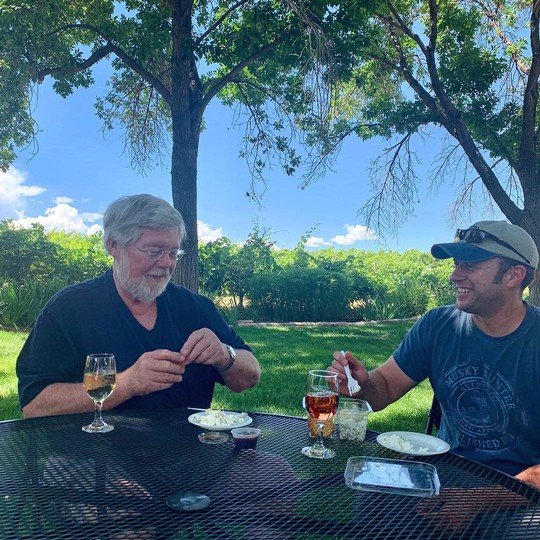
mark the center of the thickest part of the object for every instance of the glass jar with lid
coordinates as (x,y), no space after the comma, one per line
(352,418)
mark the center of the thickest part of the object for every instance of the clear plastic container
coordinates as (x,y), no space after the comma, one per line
(352,418)
(392,476)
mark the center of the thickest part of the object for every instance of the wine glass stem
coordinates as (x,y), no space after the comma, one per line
(97,415)
(319,442)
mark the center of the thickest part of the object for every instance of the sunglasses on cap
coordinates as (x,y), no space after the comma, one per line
(477,236)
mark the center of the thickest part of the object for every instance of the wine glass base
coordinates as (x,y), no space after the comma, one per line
(105,428)
(317,453)
(214,437)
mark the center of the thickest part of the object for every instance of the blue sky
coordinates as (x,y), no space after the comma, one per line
(77,172)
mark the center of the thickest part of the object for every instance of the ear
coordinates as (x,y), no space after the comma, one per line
(113,248)
(515,275)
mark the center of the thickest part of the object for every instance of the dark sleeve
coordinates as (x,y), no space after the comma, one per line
(412,354)
(47,357)
(212,319)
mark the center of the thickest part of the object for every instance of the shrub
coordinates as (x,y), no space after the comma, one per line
(300,294)
(21,304)
(378,307)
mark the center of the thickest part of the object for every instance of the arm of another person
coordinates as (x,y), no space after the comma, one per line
(530,476)
(204,347)
(380,386)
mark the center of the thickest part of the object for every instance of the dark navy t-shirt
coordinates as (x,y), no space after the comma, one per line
(91,317)
(488,387)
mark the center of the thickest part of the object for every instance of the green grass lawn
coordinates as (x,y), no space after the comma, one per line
(285,354)
(10,345)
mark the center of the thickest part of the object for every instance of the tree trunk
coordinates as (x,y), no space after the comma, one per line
(186,114)
(184,194)
(531,223)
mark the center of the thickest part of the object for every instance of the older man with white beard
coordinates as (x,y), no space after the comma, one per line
(171,345)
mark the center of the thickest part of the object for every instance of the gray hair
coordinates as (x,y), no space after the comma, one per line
(126,216)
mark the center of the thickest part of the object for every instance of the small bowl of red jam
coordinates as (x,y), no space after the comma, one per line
(245,438)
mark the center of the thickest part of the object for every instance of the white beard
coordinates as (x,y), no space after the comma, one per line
(139,288)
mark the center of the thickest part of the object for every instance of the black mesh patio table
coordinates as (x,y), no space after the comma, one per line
(57,481)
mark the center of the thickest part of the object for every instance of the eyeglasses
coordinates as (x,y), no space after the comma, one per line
(477,236)
(156,254)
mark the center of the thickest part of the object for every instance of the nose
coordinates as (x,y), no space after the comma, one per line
(457,274)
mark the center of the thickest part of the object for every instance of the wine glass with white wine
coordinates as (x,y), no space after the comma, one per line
(99,382)
(321,402)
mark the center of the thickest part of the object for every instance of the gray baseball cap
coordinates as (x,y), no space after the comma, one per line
(487,239)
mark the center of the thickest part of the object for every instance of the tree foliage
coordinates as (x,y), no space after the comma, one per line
(227,268)
(32,255)
(416,69)
(26,253)
(300,294)
(169,59)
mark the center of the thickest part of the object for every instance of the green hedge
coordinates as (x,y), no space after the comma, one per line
(300,294)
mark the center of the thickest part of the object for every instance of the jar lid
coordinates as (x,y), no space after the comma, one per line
(354,403)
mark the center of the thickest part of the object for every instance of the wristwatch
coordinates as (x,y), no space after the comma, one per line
(232,354)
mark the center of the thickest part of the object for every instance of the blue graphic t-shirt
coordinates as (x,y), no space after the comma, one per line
(488,387)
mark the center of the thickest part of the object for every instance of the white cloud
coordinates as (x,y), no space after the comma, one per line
(355,233)
(93,229)
(316,241)
(91,217)
(13,193)
(206,233)
(63,217)
(60,200)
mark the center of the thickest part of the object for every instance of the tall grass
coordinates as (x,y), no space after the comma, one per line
(286,354)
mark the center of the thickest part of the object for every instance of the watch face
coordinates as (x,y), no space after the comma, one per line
(232,352)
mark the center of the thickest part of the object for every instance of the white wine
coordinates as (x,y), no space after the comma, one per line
(99,386)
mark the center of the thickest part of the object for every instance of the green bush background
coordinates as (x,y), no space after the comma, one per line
(248,281)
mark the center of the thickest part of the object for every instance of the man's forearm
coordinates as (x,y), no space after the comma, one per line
(70,398)
(385,385)
(59,398)
(376,392)
(245,372)
(530,476)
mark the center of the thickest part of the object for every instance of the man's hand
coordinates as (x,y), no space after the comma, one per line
(204,347)
(358,371)
(153,371)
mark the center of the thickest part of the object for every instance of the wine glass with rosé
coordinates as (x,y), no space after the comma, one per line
(99,382)
(321,402)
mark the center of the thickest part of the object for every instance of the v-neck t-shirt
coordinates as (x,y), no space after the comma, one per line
(91,317)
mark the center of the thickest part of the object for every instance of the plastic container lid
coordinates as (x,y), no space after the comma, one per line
(392,476)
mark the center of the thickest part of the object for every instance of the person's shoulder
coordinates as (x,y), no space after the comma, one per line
(533,312)
(79,290)
(179,292)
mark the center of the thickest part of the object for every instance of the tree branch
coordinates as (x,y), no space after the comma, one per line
(62,72)
(213,86)
(219,20)
(99,54)
(447,114)
(528,147)
(493,19)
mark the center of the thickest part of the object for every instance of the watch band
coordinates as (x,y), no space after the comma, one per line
(232,354)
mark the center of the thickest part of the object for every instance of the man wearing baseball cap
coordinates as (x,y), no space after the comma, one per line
(481,355)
